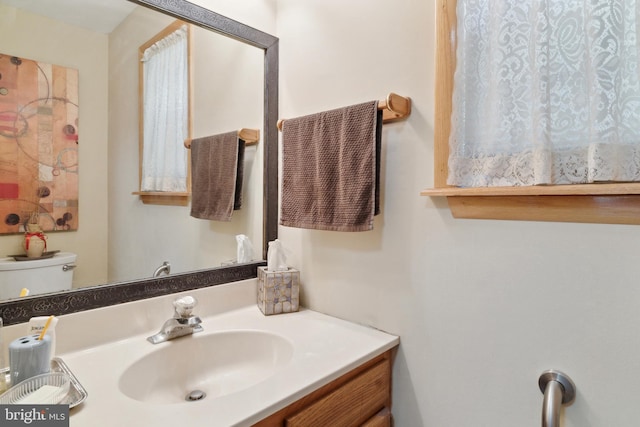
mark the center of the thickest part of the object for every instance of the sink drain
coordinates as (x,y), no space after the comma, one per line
(195,395)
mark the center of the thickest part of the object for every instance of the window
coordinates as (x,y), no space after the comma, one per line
(606,203)
(165,115)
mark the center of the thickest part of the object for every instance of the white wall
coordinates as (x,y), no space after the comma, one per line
(34,37)
(482,307)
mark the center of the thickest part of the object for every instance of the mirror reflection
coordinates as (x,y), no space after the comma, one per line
(165,113)
(119,238)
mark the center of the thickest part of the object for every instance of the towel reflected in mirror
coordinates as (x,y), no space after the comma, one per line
(217,168)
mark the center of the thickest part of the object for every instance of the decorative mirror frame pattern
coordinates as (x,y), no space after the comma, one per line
(20,310)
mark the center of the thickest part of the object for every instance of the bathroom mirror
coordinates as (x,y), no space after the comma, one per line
(20,310)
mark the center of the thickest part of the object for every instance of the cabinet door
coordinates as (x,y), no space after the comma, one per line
(350,405)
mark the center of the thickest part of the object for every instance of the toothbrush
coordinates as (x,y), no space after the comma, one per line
(46,326)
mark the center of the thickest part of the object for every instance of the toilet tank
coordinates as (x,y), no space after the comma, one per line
(39,275)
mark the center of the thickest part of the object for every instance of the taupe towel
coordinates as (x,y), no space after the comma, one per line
(330,169)
(216,176)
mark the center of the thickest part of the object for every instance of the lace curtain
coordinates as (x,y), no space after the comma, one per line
(545,92)
(165,101)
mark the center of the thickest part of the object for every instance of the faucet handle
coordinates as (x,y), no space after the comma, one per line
(184,305)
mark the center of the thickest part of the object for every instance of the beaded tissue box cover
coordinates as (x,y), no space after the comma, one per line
(278,291)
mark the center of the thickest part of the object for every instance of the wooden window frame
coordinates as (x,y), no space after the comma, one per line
(610,203)
(169,198)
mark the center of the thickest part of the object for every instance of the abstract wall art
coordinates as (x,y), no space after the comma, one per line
(38,145)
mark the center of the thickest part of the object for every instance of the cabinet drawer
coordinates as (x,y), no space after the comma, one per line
(381,419)
(350,405)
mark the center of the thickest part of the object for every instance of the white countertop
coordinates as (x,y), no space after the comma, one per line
(324,348)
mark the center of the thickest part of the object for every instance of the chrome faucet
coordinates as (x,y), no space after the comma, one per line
(182,323)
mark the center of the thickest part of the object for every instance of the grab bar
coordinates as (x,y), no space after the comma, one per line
(165,267)
(558,390)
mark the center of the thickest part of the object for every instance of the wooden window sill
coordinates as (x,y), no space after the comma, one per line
(617,203)
(163,198)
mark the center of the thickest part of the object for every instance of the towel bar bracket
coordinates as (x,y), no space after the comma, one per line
(395,107)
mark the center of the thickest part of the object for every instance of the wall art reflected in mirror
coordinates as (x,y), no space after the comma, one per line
(120,241)
(39,139)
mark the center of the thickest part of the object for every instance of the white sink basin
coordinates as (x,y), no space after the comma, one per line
(217,364)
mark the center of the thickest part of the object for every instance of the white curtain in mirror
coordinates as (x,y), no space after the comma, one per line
(546,92)
(166,102)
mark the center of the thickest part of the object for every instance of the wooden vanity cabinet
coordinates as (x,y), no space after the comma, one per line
(361,397)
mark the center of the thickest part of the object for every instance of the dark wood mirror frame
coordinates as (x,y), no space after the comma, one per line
(20,310)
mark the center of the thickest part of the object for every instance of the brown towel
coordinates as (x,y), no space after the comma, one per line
(216,176)
(330,169)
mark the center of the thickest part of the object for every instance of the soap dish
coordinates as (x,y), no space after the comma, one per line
(44,389)
(76,394)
